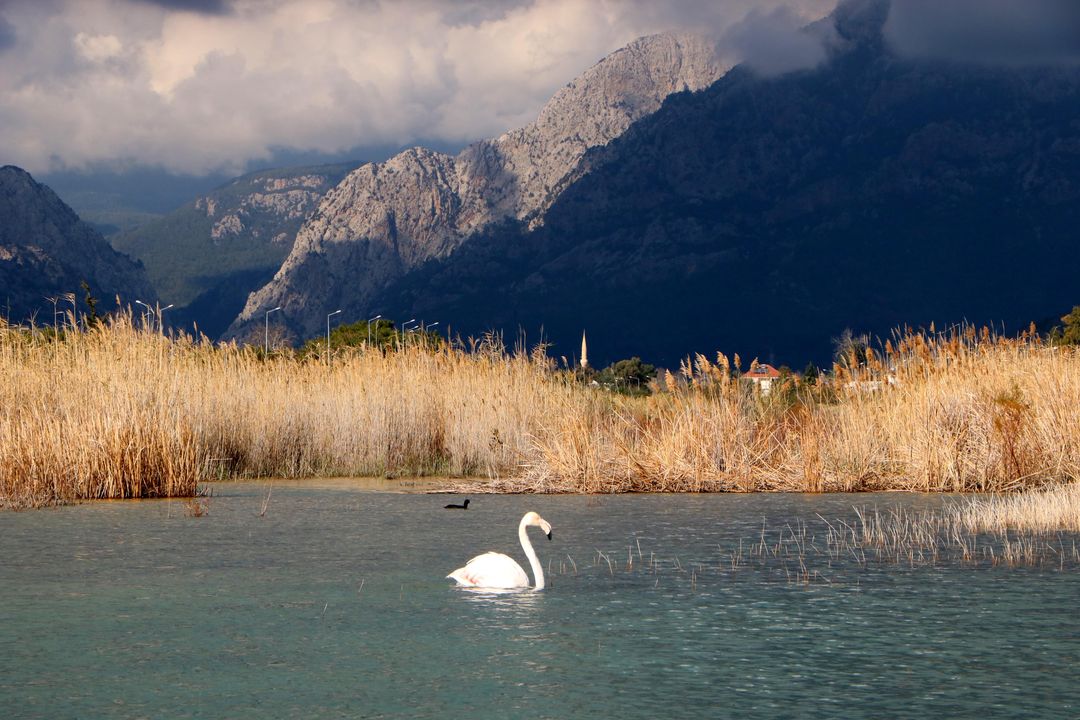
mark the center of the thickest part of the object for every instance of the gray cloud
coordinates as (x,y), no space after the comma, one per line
(195,86)
(775,42)
(210,7)
(7,34)
(1014,32)
(473,12)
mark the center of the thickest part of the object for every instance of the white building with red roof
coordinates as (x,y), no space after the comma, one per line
(763,376)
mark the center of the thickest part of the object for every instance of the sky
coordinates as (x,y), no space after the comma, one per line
(203,87)
(217,86)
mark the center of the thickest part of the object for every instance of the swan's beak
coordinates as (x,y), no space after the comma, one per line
(546,527)
(549,534)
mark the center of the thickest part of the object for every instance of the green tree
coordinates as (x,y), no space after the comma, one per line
(810,374)
(1069,333)
(585,375)
(92,318)
(381,334)
(630,376)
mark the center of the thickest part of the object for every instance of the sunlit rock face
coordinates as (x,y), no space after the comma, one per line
(207,256)
(387,218)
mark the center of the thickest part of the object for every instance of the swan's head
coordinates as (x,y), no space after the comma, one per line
(532,518)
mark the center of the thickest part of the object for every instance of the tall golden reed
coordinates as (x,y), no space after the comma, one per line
(119,412)
(956,412)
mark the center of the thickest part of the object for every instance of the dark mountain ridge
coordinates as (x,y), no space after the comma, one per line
(766,215)
(47,251)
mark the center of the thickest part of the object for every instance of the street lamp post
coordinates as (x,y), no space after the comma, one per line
(404,326)
(328,335)
(266,332)
(425,328)
(161,317)
(53,300)
(146,315)
(377,317)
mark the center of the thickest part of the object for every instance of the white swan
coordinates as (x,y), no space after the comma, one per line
(495,570)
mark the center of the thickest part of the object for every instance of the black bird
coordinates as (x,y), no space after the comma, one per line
(463,506)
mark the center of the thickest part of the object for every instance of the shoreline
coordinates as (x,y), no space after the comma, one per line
(458,486)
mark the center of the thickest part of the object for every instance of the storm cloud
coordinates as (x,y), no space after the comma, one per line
(7,34)
(776,42)
(211,7)
(196,86)
(1010,32)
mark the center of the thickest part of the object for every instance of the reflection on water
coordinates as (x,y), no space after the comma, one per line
(491,596)
(506,605)
(333,603)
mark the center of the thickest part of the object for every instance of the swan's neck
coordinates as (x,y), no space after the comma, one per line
(538,572)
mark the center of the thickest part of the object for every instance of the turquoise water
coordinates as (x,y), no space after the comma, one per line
(334,604)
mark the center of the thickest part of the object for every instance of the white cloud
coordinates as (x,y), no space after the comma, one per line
(98,48)
(200,86)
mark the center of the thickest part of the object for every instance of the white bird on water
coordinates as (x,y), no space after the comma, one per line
(495,570)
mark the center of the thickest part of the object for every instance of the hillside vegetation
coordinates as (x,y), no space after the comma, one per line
(206,256)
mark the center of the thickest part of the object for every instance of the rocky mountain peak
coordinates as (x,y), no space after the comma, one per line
(46,250)
(232,240)
(386,218)
(599,106)
(20,191)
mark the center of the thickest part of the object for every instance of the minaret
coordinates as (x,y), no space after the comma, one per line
(584,351)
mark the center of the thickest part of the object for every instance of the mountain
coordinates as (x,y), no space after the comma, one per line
(207,256)
(386,219)
(764,215)
(114,201)
(47,251)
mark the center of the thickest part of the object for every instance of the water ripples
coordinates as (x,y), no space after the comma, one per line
(334,604)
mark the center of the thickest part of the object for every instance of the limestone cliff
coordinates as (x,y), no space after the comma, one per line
(210,254)
(387,218)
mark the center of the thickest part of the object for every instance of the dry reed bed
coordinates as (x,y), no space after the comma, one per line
(117,412)
(962,414)
(1046,511)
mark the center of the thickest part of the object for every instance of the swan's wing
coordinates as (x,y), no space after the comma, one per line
(491,570)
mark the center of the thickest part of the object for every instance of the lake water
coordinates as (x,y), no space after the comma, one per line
(334,604)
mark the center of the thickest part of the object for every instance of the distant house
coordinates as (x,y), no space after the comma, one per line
(872,385)
(763,376)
